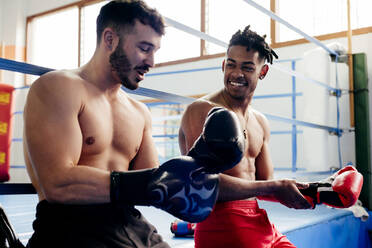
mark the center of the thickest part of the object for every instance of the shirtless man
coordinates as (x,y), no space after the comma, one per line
(88,145)
(236,220)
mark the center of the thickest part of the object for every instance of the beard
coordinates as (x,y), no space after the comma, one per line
(120,64)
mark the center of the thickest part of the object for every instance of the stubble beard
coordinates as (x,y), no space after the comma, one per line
(120,64)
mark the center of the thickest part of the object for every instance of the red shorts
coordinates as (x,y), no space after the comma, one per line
(238,224)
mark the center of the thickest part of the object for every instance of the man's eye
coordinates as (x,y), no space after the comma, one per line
(245,68)
(144,49)
(229,65)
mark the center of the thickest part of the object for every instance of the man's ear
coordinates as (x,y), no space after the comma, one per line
(223,66)
(110,39)
(264,70)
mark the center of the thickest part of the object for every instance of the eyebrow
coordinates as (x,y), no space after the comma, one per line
(244,63)
(147,43)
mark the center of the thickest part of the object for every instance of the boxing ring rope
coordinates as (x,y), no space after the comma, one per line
(215,41)
(172,98)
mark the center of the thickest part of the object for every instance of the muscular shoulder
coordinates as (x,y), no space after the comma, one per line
(194,117)
(199,108)
(57,86)
(58,83)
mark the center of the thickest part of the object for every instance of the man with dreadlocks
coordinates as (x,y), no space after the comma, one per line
(236,220)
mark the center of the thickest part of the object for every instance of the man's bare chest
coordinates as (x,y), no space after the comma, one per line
(110,127)
(254,137)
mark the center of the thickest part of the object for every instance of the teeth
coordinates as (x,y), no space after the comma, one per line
(236,84)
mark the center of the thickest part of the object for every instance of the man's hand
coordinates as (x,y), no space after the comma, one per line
(287,192)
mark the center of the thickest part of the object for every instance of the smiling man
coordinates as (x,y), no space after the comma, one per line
(237,221)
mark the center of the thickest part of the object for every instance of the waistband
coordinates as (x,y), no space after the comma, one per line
(47,210)
(240,204)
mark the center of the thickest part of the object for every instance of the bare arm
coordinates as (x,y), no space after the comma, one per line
(53,139)
(147,156)
(263,163)
(233,188)
(192,124)
(285,191)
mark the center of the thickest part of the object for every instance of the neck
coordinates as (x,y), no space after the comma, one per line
(237,105)
(99,73)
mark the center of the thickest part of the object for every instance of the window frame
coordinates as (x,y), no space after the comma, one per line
(203,55)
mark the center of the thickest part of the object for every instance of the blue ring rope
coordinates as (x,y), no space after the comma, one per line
(37,70)
(208,68)
(26,68)
(302,123)
(16,66)
(294,116)
(338,117)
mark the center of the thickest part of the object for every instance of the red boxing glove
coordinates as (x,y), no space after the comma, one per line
(341,190)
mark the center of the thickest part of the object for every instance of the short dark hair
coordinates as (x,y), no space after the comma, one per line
(252,40)
(120,13)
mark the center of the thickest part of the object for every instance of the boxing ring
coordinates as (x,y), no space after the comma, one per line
(321,227)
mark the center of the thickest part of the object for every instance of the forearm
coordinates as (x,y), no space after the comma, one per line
(233,188)
(78,185)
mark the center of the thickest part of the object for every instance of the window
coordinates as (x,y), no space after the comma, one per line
(361,13)
(88,31)
(318,17)
(52,39)
(166,123)
(311,17)
(177,44)
(227,17)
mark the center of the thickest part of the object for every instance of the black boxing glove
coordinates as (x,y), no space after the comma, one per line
(220,146)
(180,186)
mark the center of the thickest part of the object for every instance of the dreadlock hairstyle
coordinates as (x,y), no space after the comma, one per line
(119,14)
(252,40)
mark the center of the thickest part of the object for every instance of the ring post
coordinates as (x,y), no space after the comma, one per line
(362,126)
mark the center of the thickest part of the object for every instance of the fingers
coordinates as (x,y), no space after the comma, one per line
(302,185)
(298,200)
(304,204)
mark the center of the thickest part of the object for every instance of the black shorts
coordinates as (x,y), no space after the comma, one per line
(103,225)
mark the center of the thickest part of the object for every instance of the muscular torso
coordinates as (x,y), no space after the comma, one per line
(111,130)
(255,165)
(254,138)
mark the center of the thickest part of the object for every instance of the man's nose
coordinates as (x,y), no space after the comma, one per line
(150,60)
(238,74)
